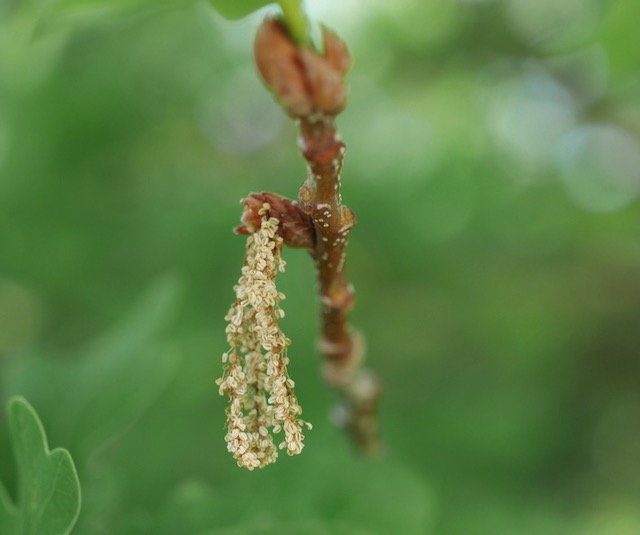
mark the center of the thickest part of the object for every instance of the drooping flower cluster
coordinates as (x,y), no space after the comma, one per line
(262,400)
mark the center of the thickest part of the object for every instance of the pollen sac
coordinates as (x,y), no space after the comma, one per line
(304,81)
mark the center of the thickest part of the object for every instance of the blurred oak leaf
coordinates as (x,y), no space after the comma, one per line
(48,496)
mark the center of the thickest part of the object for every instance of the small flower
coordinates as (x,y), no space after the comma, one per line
(261,395)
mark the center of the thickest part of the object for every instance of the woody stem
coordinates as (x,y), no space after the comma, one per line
(342,348)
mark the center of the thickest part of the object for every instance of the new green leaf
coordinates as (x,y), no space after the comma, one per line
(292,10)
(48,497)
(236,9)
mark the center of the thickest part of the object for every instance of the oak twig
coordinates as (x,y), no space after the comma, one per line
(310,87)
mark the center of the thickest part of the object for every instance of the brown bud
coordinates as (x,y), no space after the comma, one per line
(305,194)
(303,81)
(279,65)
(295,228)
(347,219)
(341,297)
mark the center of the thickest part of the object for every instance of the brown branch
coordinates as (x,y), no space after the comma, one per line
(343,349)
(311,89)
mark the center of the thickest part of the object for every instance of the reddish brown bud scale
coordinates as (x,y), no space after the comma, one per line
(328,92)
(304,81)
(335,52)
(295,228)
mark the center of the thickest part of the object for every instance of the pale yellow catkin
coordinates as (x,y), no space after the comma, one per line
(262,401)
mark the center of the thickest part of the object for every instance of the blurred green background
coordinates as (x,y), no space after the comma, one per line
(494,164)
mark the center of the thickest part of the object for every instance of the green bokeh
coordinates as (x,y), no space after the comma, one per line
(492,151)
